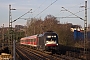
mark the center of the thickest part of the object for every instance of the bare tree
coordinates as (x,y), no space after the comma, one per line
(50,22)
(33,26)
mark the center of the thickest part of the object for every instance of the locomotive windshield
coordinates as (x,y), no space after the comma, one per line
(52,37)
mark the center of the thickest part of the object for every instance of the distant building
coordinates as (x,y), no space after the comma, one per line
(65,25)
(18,27)
(4,31)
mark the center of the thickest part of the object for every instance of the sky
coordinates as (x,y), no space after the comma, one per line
(42,8)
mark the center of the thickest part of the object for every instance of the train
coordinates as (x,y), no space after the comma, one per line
(46,41)
(79,35)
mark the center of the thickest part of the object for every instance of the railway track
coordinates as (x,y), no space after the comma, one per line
(32,54)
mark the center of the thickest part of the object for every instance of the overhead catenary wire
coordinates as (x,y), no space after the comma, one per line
(39,6)
(71,7)
(78,12)
(46,8)
(74,14)
(71,14)
(22,15)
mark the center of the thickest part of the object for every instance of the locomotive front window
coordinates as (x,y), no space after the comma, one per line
(49,38)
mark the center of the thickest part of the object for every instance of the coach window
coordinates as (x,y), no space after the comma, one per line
(22,41)
(28,40)
(31,40)
(34,40)
(48,38)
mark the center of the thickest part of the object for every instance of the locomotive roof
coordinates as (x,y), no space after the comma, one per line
(48,32)
(45,33)
(40,35)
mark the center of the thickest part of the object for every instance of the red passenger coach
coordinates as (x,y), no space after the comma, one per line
(23,40)
(30,40)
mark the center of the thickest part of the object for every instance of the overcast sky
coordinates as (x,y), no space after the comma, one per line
(42,8)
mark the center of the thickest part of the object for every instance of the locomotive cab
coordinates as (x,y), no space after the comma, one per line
(48,41)
(51,41)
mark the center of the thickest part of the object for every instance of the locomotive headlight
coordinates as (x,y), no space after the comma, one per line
(45,44)
(47,41)
(57,44)
(53,36)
